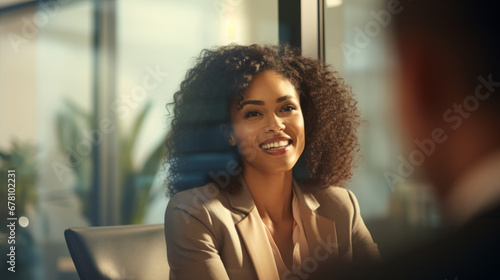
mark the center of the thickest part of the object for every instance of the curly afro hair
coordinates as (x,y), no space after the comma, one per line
(198,153)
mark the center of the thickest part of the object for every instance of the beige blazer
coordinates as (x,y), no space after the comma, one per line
(216,235)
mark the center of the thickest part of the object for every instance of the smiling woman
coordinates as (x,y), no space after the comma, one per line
(280,116)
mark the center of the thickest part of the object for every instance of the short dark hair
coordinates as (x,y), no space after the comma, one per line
(221,77)
(469,30)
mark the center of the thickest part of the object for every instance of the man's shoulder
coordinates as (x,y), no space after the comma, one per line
(468,252)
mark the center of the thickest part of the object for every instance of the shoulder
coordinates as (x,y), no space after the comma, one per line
(200,210)
(197,199)
(335,202)
(334,194)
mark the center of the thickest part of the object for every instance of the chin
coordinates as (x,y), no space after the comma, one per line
(280,168)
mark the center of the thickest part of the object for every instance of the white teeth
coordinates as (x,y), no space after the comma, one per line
(274,145)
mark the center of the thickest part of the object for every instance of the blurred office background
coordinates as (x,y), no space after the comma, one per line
(83,89)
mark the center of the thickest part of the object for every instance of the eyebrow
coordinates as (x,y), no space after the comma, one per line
(261,103)
(254,102)
(283,98)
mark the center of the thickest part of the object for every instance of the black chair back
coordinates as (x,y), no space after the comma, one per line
(134,252)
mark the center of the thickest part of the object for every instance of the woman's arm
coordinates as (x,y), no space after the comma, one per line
(364,250)
(191,245)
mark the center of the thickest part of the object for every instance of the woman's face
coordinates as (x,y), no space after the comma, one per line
(268,125)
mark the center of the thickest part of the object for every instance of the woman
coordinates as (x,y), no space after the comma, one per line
(279,116)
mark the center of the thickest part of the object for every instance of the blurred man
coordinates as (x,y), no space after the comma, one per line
(449,103)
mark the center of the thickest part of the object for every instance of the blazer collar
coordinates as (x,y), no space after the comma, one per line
(243,201)
(253,234)
(320,232)
(305,198)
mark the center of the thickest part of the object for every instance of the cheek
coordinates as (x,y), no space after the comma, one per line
(299,130)
(302,136)
(301,126)
(244,134)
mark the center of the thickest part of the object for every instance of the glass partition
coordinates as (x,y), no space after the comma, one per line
(62,103)
(395,208)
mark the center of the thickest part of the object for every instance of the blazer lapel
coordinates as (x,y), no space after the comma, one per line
(321,233)
(253,234)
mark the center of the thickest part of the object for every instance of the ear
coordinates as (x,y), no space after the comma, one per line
(228,134)
(423,74)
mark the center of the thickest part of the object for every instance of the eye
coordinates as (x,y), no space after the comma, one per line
(288,108)
(252,114)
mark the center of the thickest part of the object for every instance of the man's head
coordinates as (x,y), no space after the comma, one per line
(449,82)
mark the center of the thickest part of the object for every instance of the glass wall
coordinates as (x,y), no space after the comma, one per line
(395,208)
(83,89)
(364,63)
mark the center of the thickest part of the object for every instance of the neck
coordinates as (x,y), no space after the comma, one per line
(272,193)
(466,147)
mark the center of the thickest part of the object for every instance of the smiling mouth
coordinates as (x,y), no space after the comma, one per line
(276,145)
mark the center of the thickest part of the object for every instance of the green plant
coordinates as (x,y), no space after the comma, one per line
(21,157)
(70,124)
(136,182)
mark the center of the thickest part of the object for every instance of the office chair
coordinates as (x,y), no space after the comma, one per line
(132,252)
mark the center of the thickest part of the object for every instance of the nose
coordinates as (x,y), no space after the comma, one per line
(274,124)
